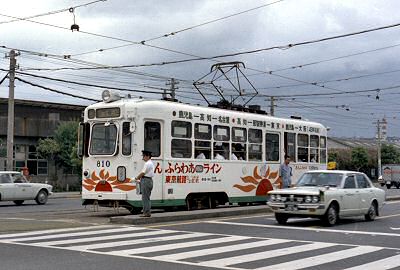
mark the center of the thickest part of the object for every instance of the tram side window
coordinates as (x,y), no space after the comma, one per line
(314,148)
(302,149)
(126,139)
(152,138)
(221,146)
(272,147)
(255,144)
(202,143)
(323,149)
(182,147)
(239,139)
(290,145)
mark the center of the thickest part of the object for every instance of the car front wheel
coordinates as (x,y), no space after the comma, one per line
(331,216)
(371,214)
(281,218)
(41,198)
(19,202)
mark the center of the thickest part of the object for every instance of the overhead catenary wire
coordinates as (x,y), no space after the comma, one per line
(54,90)
(91,85)
(52,12)
(173,33)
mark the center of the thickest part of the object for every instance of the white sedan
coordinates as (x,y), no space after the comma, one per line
(15,187)
(328,195)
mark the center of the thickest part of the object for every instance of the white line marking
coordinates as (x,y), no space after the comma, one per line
(96,238)
(321,259)
(178,245)
(264,255)
(383,264)
(92,232)
(137,241)
(388,216)
(304,229)
(218,250)
(55,231)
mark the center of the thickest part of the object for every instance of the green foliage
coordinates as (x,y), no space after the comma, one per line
(48,148)
(390,154)
(75,160)
(66,136)
(342,159)
(359,158)
(62,148)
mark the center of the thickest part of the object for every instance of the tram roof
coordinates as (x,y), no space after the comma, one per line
(172,105)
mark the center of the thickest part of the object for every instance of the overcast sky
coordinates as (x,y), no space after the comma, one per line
(116,23)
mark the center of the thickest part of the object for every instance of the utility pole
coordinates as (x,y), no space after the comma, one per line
(378,125)
(272,108)
(10,120)
(173,85)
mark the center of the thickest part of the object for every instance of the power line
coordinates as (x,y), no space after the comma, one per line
(91,85)
(53,90)
(51,12)
(282,47)
(173,33)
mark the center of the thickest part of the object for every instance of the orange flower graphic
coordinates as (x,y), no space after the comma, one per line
(263,184)
(105,182)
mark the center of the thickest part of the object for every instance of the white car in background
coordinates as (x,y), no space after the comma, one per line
(15,187)
(328,195)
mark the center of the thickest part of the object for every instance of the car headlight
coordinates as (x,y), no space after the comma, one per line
(273,197)
(308,199)
(283,199)
(278,197)
(315,199)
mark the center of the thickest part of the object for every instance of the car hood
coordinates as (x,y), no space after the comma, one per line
(301,190)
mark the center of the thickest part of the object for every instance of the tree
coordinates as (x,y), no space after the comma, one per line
(359,158)
(390,154)
(48,148)
(61,148)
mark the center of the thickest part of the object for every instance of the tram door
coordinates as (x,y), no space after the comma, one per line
(153,134)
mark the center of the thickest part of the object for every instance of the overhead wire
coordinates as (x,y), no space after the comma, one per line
(54,90)
(52,12)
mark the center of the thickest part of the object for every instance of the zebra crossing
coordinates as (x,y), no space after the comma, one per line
(208,249)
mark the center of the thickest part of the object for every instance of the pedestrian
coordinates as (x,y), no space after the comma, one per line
(285,172)
(145,179)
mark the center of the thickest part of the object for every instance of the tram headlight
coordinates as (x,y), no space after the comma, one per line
(109,96)
(121,173)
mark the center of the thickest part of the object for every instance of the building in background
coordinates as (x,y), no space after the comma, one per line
(36,120)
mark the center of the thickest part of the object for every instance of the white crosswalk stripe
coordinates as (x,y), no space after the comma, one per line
(321,259)
(179,245)
(384,264)
(264,255)
(218,250)
(93,232)
(204,249)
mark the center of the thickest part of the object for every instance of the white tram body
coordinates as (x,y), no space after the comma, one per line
(185,141)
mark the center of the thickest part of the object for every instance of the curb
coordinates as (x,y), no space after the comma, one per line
(191,215)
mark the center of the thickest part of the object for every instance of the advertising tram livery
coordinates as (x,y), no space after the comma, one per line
(203,156)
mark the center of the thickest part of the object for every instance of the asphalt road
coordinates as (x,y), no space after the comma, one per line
(252,242)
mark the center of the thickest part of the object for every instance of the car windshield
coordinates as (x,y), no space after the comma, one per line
(320,179)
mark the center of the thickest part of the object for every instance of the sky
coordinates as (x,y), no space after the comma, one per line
(314,81)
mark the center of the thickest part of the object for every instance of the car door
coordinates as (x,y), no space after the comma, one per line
(350,198)
(7,187)
(23,189)
(365,191)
